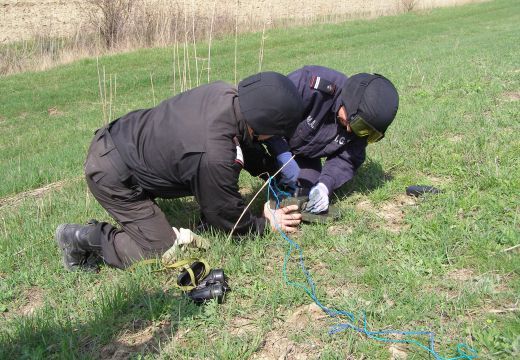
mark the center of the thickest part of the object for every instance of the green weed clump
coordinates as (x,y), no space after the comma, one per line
(447,263)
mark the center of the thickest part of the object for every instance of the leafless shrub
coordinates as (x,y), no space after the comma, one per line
(408,5)
(122,25)
(111,17)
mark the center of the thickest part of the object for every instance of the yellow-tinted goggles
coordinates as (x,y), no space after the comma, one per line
(362,128)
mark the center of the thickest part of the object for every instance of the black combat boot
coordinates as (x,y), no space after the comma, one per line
(81,250)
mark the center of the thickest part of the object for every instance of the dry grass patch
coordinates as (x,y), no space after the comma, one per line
(456,138)
(319,268)
(436,180)
(54,32)
(347,290)
(53,111)
(340,229)
(272,260)
(459,281)
(34,194)
(493,307)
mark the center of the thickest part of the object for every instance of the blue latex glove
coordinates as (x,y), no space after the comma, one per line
(290,172)
(318,199)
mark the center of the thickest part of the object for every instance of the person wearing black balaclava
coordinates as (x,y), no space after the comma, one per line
(342,115)
(190,144)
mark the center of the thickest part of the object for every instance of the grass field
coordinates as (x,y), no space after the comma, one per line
(443,263)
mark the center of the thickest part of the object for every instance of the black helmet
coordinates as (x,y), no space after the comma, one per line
(270,104)
(372,97)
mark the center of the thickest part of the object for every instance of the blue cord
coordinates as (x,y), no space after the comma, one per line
(463,351)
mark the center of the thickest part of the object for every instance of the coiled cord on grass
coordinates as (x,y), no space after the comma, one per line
(464,352)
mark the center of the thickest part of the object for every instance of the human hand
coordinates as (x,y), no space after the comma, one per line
(318,199)
(286,219)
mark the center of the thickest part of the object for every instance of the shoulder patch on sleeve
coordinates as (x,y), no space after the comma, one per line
(321,84)
(239,159)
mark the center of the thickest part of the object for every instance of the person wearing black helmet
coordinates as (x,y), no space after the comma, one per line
(190,144)
(342,116)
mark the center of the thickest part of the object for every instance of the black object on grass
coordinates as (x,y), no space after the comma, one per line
(325,217)
(213,286)
(418,190)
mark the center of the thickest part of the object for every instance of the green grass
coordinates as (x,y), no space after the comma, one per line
(438,264)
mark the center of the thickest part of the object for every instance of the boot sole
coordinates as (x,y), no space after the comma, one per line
(62,246)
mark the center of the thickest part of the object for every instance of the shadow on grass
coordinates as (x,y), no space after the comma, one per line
(126,320)
(185,212)
(368,178)
(182,212)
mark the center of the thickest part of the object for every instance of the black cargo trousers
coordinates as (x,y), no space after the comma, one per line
(145,231)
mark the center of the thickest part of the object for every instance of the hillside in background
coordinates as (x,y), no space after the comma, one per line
(25,19)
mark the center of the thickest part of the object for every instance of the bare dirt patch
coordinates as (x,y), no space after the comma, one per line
(141,336)
(305,316)
(391,211)
(32,300)
(277,345)
(242,325)
(512,95)
(461,275)
(53,111)
(397,352)
(365,205)
(393,215)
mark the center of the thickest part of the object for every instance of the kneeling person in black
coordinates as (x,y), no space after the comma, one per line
(190,144)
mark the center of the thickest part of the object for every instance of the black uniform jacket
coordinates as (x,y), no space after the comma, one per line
(319,134)
(185,146)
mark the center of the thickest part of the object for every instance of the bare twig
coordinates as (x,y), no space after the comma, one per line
(236,38)
(261,53)
(174,72)
(187,49)
(26,248)
(110,98)
(153,90)
(503,311)
(254,197)
(175,58)
(209,42)
(103,109)
(105,96)
(511,248)
(194,43)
